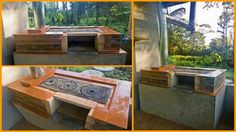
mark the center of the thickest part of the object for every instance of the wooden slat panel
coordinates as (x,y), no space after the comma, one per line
(64,43)
(37,38)
(26,98)
(155,82)
(30,108)
(156,74)
(37,106)
(38,42)
(36,47)
(112,43)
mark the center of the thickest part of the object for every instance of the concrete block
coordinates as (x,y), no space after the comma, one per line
(14,19)
(56,122)
(195,110)
(71,58)
(229,101)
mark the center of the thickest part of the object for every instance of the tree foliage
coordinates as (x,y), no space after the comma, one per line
(188,49)
(182,42)
(112,14)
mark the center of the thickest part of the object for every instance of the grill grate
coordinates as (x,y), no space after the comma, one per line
(81,89)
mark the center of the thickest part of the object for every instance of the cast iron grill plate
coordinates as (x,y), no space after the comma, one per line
(74,30)
(75,87)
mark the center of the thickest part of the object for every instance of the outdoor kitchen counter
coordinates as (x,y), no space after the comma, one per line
(27,92)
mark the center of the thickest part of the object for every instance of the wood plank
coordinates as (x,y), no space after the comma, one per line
(26,98)
(112,42)
(30,91)
(64,43)
(117,112)
(30,108)
(51,105)
(38,48)
(82,34)
(108,31)
(156,74)
(99,42)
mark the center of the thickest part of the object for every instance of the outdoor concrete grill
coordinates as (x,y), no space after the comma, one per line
(93,102)
(205,80)
(68,38)
(190,96)
(69,45)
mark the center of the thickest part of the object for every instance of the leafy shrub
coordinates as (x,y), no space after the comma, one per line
(76,69)
(214,60)
(122,73)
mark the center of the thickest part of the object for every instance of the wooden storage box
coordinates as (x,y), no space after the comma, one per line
(37,100)
(211,83)
(35,42)
(203,80)
(156,78)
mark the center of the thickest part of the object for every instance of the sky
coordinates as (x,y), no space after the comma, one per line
(203,16)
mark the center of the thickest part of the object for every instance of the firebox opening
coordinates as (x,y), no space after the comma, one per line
(185,82)
(75,112)
(81,43)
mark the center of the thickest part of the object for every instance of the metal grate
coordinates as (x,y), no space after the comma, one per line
(75,87)
(74,30)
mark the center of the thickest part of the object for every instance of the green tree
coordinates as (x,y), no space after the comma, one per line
(111,14)
(182,42)
(226,20)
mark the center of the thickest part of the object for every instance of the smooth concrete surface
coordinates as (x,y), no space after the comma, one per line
(64,59)
(147,36)
(145,121)
(229,101)
(136,91)
(147,40)
(56,122)
(219,107)
(10,115)
(22,124)
(197,111)
(14,20)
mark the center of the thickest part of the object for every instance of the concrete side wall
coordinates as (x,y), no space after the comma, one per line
(146,35)
(9,113)
(219,106)
(229,102)
(47,124)
(21,58)
(190,109)
(147,41)
(14,20)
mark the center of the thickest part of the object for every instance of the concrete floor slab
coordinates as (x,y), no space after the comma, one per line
(145,121)
(22,124)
